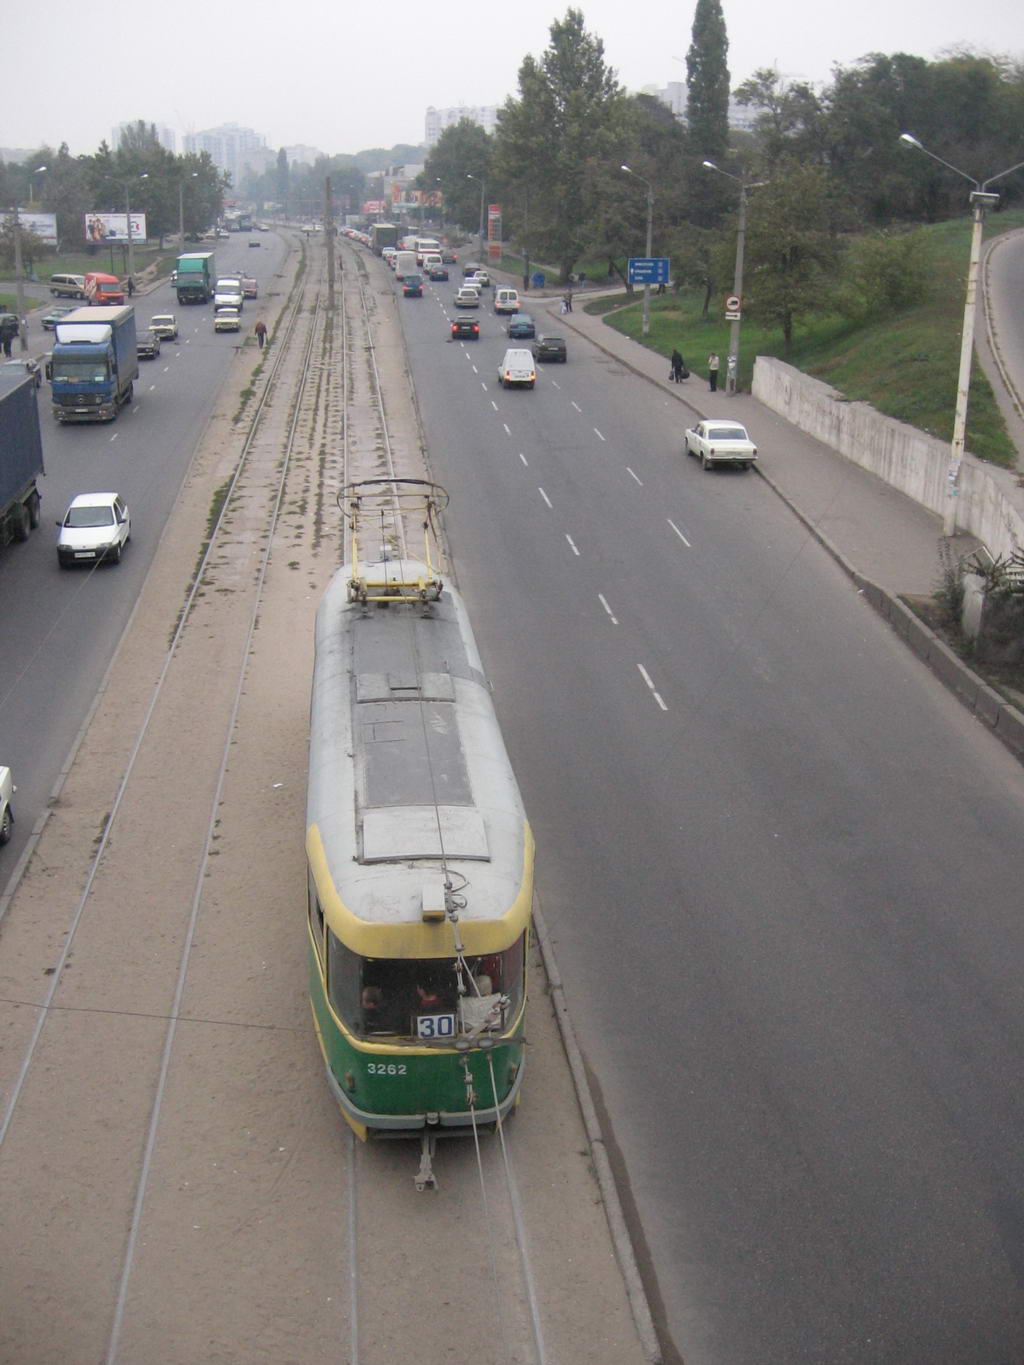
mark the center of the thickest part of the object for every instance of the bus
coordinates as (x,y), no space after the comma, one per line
(419,854)
(382,235)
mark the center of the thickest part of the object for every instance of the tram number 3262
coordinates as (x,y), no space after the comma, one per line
(435,1025)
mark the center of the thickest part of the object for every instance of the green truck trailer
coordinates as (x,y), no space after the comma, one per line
(196,277)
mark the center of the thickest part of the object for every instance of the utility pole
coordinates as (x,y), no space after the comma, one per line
(329,232)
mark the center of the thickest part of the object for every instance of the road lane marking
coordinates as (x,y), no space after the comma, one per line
(679,533)
(494,405)
(654,693)
(526,462)
(612,617)
(599,434)
(545,497)
(635,476)
(572,543)
(575,404)
(508,431)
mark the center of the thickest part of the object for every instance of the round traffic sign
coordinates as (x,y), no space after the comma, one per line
(732,304)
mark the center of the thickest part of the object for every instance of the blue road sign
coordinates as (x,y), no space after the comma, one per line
(648,270)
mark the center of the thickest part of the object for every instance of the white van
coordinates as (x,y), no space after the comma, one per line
(228,293)
(405,264)
(506,300)
(517,368)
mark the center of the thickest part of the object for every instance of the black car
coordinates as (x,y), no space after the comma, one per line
(412,287)
(467,328)
(147,346)
(437,272)
(550,348)
(521,326)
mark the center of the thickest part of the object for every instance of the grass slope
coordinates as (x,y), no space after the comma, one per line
(905,366)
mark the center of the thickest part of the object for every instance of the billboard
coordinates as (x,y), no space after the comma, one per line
(103,228)
(44,225)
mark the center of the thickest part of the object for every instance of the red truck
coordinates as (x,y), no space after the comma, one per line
(103,289)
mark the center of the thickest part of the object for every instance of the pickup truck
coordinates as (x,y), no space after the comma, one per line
(720,441)
(7,790)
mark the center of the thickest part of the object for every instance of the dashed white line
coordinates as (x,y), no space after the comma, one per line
(598,434)
(575,404)
(114,437)
(494,405)
(572,543)
(475,370)
(635,476)
(654,693)
(526,462)
(611,615)
(679,533)
(508,430)
(545,497)
(556,383)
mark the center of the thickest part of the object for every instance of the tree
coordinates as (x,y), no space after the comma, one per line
(282,182)
(791,248)
(463,149)
(707,75)
(568,120)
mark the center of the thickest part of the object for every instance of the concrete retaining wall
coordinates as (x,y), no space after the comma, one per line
(991,505)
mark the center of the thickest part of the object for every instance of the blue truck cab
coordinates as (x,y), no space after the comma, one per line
(94,364)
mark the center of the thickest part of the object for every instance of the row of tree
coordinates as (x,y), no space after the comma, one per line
(140,174)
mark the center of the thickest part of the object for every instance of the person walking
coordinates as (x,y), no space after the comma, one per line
(712,371)
(130,286)
(8,331)
(679,371)
(567,300)
(261,333)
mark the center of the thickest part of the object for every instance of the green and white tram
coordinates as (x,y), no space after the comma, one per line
(420,857)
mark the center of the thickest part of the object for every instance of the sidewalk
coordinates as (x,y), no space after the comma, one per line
(886,542)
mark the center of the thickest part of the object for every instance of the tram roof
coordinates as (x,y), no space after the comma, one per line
(408,772)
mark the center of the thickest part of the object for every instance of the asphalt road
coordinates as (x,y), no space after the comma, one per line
(60,628)
(780,864)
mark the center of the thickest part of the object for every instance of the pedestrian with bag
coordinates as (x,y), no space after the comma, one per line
(713,372)
(261,333)
(678,372)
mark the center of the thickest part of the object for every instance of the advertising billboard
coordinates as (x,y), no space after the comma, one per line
(44,225)
(104,228)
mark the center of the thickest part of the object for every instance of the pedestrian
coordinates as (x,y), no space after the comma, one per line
(8,331)
(567,300)
(261,333)
(130,286)
(713,371)
(679,372)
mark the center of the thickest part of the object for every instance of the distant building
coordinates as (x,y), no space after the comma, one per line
(675,96)
(302,156)
(165,136)
(437,120)
(232,149)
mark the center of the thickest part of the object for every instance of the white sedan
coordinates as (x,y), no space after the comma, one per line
(467,297)
(720,442)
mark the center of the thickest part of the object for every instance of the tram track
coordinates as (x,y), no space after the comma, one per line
(171,1161)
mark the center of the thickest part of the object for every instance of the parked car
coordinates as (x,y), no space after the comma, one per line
(49,320)
(7,790)
(96,526)
(250,289)
(521,325)
(227,320)
(721,441)
(550,348)
(147,345)
(165,325)
(467,297)
(437,272)
(412,287)
(465,329)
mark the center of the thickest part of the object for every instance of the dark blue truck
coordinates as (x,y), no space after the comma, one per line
(21,456)
(94,364)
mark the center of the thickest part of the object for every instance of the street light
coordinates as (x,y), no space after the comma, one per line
(733,363)
(181,208)
(19,283)
(128,215)
(646,326)
(981,200)
(31,188)
(483,190)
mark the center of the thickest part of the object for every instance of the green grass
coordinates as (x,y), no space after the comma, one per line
(905,366)
(81,263)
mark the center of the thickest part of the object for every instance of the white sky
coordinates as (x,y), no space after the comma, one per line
(343,75)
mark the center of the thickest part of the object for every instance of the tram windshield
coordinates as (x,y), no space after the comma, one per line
(420,997)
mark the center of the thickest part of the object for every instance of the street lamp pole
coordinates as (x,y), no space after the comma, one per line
(733,363)
(981,200)
(19,281)
(646,324)
(483,190)
(181,209)
(128,215)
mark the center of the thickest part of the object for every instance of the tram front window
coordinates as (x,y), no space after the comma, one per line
(389,996)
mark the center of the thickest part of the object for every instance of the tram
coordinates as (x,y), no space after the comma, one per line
(419,853)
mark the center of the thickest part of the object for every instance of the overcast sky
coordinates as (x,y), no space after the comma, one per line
(344,75)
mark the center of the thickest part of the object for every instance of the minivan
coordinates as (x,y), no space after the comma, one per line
(67,286)
(517,368)
(506,300)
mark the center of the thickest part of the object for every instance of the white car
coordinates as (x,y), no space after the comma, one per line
(480,278)
(96,526)
(227,320)
(467,297)
(165,325)
(720,441)
(7,790)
